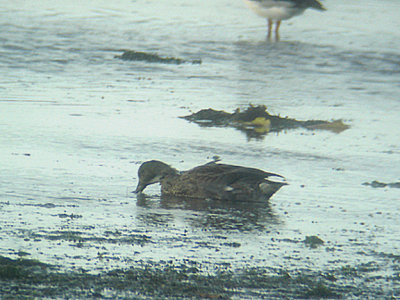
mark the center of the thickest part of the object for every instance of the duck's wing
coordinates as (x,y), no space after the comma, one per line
(221,181)
(229,174)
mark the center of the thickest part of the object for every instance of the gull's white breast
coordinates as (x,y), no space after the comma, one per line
(274,10)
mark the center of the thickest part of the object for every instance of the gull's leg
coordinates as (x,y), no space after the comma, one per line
(278,24)
(269,29)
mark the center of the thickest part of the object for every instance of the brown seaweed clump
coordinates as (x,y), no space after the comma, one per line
(378,184)
(256,121)
(313,241)
(153,58)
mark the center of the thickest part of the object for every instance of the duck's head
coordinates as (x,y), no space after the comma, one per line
(153,171)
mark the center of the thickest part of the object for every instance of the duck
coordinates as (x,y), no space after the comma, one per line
(212,180)
(277,10)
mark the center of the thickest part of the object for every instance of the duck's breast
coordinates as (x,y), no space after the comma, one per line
(183,186)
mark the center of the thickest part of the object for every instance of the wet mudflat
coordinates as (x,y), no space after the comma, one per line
(29,278)
(77,122)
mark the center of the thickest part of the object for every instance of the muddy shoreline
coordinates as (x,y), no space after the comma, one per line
(23,278)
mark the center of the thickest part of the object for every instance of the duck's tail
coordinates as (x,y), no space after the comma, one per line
(268,187)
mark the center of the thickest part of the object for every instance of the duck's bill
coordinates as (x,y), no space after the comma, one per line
(140,188)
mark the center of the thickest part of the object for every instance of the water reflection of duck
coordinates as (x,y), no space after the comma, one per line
(210,181)
(216,214)
(278,10)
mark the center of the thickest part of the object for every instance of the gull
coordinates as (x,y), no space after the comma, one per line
(277,10)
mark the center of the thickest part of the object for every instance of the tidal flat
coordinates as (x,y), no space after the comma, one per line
(76,123)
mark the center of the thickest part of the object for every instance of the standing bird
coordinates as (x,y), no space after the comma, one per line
(210,181)
(277,10)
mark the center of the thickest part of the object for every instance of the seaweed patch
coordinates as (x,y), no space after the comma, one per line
(313,241)
(256,121)
(23,278)
(378,184)
(154,58)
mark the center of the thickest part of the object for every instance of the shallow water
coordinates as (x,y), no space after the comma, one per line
(76,123)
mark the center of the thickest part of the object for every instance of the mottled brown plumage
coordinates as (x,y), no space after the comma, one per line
(209,181)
